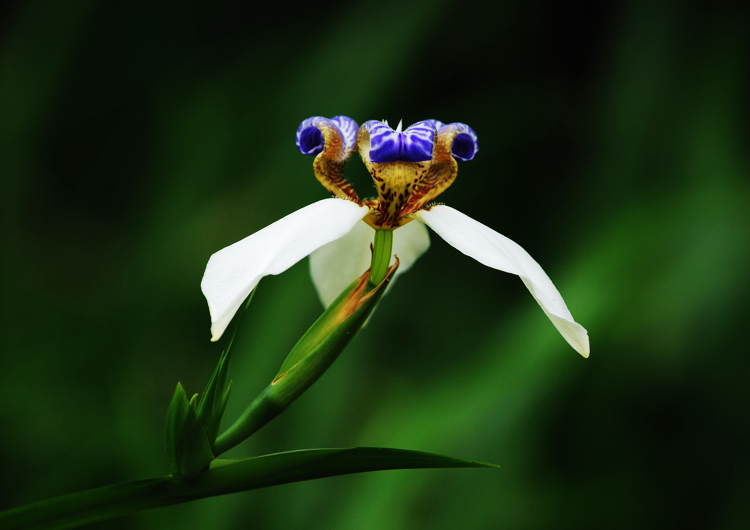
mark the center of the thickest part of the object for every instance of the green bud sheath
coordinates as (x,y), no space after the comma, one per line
(318,348)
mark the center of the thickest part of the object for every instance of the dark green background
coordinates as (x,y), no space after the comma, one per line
(137,138)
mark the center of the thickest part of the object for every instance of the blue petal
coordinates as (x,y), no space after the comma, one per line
(384,142)
(465,144)
(417,142)
(309,138)
(413,145)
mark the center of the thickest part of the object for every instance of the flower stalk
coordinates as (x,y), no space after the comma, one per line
(381,255)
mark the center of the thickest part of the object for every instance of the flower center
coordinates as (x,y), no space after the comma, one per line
(395,182)
(410,167)
(397,161)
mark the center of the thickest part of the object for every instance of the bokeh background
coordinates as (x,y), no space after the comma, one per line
(137,138)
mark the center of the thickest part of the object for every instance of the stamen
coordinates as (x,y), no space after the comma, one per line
(398,129)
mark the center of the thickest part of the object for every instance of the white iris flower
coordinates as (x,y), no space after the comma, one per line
(410,169)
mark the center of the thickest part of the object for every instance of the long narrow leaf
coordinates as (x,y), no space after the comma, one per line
(295,466)
(225,476)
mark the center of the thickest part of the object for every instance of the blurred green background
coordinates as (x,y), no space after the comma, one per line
(137,138)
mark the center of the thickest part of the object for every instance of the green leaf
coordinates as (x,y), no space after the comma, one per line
(176,414)
(212,429)
(188,447)
(225,476)
(210,401)
(213,401)
(281,468)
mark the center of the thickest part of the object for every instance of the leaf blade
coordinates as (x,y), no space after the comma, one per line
(309,464)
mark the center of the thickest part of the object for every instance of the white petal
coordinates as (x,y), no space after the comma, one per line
(334,266)
(233,272)
(409,242)
(497,251)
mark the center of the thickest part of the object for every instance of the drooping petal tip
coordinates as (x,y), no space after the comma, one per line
(574,333)
(498,252)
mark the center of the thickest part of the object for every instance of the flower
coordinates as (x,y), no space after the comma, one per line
(410,169)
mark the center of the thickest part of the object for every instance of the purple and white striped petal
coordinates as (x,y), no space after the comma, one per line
(384,141)
(311,139)
(349,129)
(415,144)
(464,145)
(418,142)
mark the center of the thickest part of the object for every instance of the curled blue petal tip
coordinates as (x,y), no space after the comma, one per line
(310,140)
(464,147)
(465,144)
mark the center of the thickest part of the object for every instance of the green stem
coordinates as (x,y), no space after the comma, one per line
(382,248)
(256,415)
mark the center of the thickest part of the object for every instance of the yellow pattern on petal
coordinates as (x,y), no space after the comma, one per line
(329,164)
